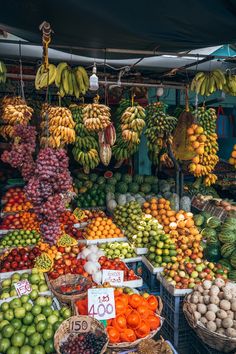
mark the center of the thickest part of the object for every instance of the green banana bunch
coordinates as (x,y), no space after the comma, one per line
(71,81)
(230,85)
(88,159)
(3,73)
(206,118)
(45,77)
(207,83)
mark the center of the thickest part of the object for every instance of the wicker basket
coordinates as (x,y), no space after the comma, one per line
(67,279)
(214,340)
(65,330)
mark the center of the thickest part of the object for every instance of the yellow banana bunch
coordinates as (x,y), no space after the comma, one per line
(230,85)
(7,131)
(132,124)
(96,117)
(15,100)
(205,83)
(3,73)
(71,81)
(45,77)
(59,124)
(16,114)
(210,179)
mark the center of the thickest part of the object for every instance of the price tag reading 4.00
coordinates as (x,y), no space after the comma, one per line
(114,277)
(101,303)
(80,326)
(23,287)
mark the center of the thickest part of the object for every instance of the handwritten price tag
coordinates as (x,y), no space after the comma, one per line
(101,303)
(114,277)
(23,287)
(80,326)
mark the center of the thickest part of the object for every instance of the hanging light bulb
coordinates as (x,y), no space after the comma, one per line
(160,91)
(93,80)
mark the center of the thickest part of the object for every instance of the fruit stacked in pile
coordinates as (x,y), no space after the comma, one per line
(203,137)
(19,259)
(161,250)
(135,317)
(85,150)
(30,327)
(56,252)
(100,228)
(117,264)
(118,249)
(84,343)
(67,219)
(180,226)
(68,264)
(232,159)
(57,126)
(14,110)
(19,238)
(159,126)
(15,200)
(24,220)
(35,278)
(183,274)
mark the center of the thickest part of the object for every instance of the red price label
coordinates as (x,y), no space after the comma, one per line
(101,303)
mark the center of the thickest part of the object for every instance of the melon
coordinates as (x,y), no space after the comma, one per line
(121,187)
(227,249)
(93,177)
(227,236)
(155,188)
(101,180)
(145,188)
(117,176)
(138,179)
(233,259)
(213,222)
(127,178)
(198,219)
(133,187)
(112,181)
(108,174)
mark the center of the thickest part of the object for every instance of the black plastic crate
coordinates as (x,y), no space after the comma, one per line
(196,346)
(176,318)
(136,267)
(174,302)
(178,337)
(151,280)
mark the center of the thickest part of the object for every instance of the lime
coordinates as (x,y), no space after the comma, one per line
(28,319)
(4,306)
(8,331)
(41,301)
(1,316)
(30,330)
(15,303)
(49,346)
(16,323)
(47,311)
(49,301)
(13,350)
(34,339)
(23,328)
(18,339)
(52,319)
(48,334)
(28,306)
(41,326)
(66,313)
(57,324)
(19,312)
(36,310)
(4,345)
(34,295)
(3,324)
(39,317)
(26,349)
(24,299)
(39,349)
(9,315)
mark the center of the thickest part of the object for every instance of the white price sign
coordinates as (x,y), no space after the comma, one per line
(101,303)
(114,277)
(23,287)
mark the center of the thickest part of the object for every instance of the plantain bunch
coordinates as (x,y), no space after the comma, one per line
(132,124)
(96,117)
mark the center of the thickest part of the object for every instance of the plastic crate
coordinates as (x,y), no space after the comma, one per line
(136,267)
(176,318)
(174,302)
(196,346)
(178,337)
(151,280)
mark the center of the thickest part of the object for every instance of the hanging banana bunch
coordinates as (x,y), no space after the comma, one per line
(96,116)
(132,124)
(57,126)
(205,83)
(85,150)
(3,73)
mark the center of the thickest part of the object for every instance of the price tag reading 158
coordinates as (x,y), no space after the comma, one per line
(101,303)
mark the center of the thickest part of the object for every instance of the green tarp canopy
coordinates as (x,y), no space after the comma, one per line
(162,25)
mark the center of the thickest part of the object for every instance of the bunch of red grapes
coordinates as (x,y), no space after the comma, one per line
(45,190)
(21,154)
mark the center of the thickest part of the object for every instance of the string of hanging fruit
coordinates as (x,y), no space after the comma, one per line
(203,143)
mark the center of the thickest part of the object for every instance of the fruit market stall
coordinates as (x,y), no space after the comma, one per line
(100,254)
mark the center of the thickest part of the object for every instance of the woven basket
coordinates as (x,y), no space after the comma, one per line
(214,340)
(67,279)
(64,330)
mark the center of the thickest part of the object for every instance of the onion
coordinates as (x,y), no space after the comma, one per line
(97,277)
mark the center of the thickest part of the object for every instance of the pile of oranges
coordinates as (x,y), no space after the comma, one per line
(179,225)
(100,228)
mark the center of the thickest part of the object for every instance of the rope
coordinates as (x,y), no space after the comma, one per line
(21,75)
